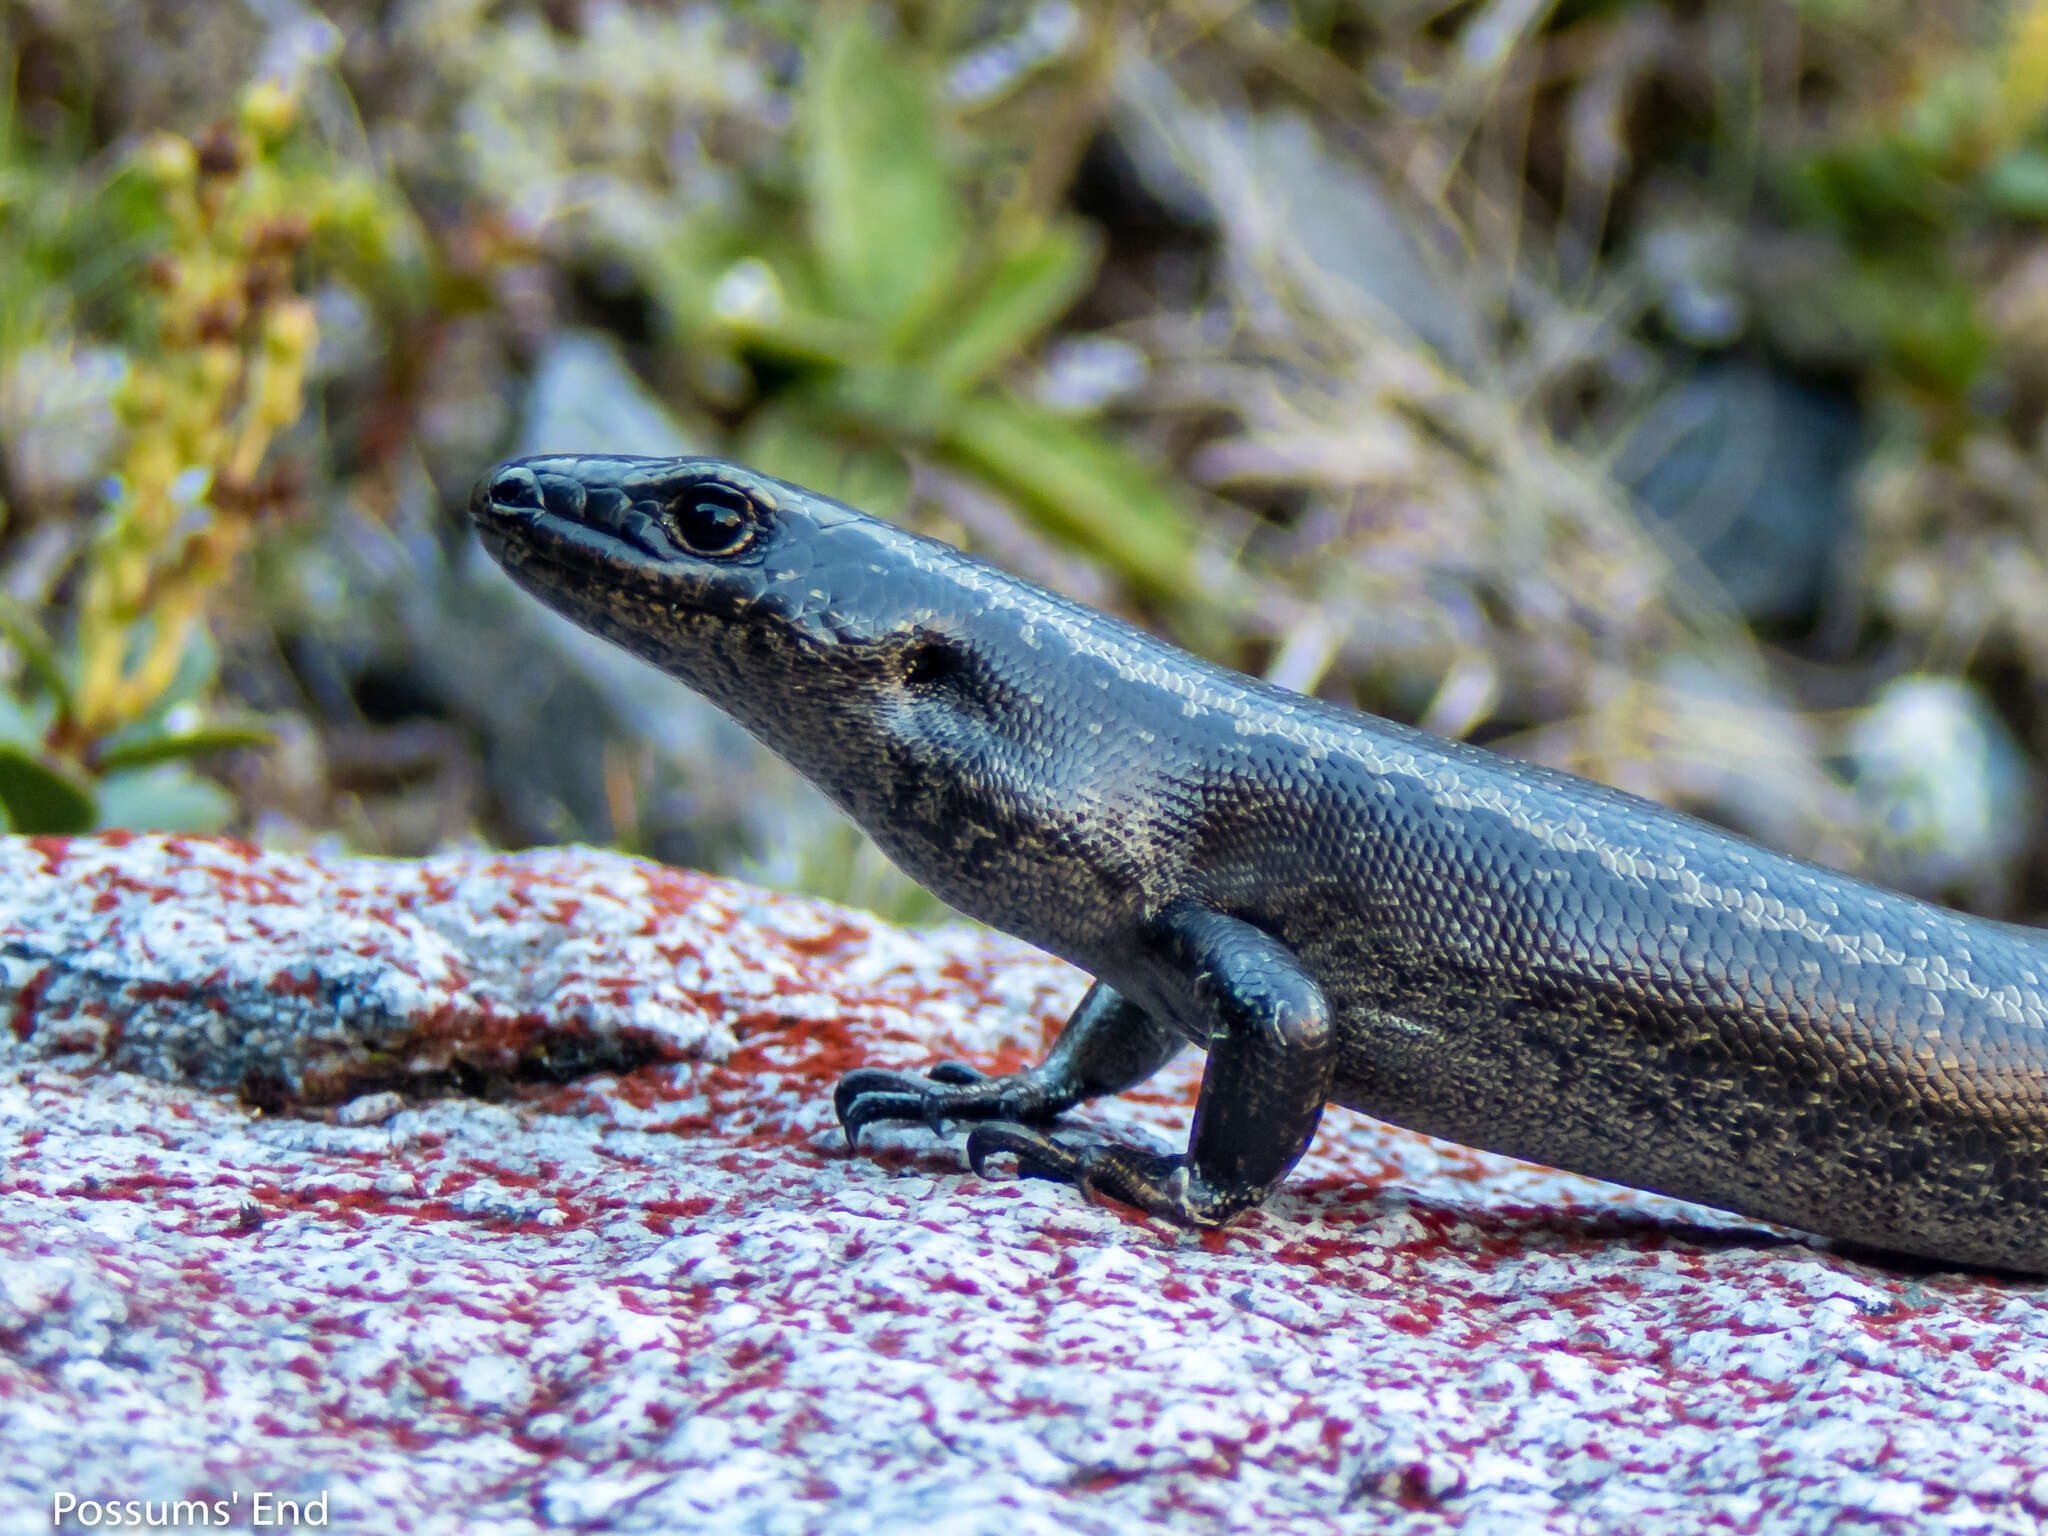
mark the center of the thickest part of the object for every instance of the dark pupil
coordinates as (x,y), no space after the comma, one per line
(712,520)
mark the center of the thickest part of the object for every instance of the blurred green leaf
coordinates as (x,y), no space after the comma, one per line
(886,221)
(682,269)
(773,305)
(804,337)
(41,795)
(2018,184)
(197,669)
(793,443)
(171,746)
(168,797)
(26,635)
(1874,192)
(896,401)
(1028,290)
(183,700)
(1933,332)
(1079,487)
(1943,126)
(25,721)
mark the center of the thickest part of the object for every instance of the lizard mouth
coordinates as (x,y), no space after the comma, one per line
(526,519)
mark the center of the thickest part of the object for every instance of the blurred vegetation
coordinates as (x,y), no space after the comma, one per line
(215,346)
(1654,389)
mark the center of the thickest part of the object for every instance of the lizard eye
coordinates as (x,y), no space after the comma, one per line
(713,519)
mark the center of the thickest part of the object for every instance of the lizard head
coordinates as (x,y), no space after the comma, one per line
(781,605)
(575,529)
(951,709)
(671,556)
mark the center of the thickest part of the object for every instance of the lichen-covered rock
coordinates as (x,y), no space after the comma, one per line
(299,982)
(493,1293)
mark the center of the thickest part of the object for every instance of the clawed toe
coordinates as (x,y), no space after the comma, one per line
(1038,1155)
(1160,1184)
(951,1090)
(864,1080)
(867,1096)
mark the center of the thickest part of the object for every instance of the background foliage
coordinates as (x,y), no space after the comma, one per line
(1655,389)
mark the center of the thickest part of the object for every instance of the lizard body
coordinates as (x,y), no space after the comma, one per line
(1336,907)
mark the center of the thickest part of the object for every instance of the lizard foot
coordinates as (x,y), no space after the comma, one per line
(1157,1184)
(951,1090)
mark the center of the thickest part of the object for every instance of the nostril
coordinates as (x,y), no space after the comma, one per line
(518,489)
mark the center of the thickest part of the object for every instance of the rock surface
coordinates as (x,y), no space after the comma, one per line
(503,1193)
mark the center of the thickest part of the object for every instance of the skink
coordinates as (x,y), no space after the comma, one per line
(1335,907)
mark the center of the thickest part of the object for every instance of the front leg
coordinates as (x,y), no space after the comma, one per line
(1108,1044)
(1272,1050)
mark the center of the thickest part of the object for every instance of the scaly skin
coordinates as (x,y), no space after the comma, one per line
(1334,906)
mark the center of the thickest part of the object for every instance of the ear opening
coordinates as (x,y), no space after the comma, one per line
(931,661)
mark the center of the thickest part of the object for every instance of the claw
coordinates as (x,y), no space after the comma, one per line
(1164,1186)
(1038,1155)
(860,1081)
(869,1094)
(950,1091)
(870,1107)
(860,1097)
